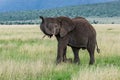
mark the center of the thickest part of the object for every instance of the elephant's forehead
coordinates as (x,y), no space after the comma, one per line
(50,20)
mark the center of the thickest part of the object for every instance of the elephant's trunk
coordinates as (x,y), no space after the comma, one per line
(54,31)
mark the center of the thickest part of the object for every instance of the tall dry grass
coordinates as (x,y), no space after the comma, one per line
(24,55)
(98,73)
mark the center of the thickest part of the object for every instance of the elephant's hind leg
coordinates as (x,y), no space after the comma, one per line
(91,49)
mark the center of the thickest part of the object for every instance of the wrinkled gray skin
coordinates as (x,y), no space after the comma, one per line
(76,33)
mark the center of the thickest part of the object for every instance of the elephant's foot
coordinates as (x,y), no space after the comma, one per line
(59,61)
(69,60)
(91,62)
(77,61)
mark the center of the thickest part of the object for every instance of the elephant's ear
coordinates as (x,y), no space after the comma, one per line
(42,18)
(66,25)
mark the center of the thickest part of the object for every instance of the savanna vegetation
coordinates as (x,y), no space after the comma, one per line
(24,55)
(96,13)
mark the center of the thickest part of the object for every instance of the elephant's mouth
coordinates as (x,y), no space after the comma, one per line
(50,36)
(47,35)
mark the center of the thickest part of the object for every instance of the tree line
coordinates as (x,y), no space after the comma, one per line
(110,9)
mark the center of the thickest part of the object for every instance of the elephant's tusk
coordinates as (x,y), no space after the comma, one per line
(54,31)
(44,36)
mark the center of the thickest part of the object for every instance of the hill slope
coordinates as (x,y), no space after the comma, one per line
(110,9)
(16,5)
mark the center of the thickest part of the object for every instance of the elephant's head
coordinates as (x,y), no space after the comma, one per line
(56,26)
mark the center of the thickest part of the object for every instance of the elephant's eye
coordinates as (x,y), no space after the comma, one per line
(50,24)
(47,25)
(55,25)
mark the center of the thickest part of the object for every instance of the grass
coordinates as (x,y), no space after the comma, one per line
(24,55)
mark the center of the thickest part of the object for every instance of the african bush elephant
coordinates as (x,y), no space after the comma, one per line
(77,33)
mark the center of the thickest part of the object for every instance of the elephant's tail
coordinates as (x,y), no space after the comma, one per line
(98,50)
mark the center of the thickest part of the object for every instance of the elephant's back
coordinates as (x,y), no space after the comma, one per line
(84,27)
(83,32)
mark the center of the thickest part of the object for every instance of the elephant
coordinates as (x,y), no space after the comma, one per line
(77,33)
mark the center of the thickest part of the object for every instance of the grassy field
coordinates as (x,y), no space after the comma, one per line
(24,55)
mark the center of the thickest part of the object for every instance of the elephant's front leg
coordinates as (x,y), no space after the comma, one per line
(64,55)
(65,58)
(61,52)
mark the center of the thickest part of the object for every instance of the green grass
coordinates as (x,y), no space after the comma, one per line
(24,55)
